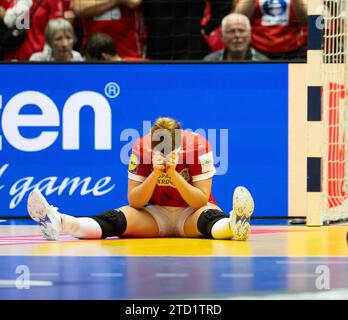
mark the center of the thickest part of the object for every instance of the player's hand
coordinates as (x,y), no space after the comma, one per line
(158,162)
(171,161)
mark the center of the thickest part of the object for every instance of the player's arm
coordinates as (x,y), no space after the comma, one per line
(195,195)
(300,10)
(92,8)
(246,7)
(140,193)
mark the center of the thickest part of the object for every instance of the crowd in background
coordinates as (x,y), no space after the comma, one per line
(123,30)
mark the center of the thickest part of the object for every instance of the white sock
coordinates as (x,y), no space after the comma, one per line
(221,229)
(83,228)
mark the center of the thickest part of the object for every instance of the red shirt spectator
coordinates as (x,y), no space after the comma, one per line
(5,3)
(35,40)
(275,29)
(124,25)
(276,24)
(213,39)
(122,22)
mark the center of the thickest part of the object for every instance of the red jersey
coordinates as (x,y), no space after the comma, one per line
(35,40)
(195,163)
(122,24)
(275,28)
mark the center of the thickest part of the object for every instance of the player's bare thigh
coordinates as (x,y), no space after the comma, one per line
(140,223)
(190,226)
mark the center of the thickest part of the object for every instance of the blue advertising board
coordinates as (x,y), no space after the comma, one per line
(69,129)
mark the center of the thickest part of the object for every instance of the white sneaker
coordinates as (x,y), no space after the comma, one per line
(243,207)
(46,215)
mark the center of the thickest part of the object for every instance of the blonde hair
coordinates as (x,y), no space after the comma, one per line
(166,123)
(166,127)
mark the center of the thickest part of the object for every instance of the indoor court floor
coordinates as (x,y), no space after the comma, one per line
(280,261)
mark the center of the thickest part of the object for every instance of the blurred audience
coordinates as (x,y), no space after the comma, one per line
(174,30)
(120,19)
(60,38)
(35,39)
(236,35)
(3,7)
(157,29)
(277,26)
(101,47)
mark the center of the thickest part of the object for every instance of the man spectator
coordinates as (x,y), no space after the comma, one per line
(101,47)
(120,19)
(236,35)
(277,26)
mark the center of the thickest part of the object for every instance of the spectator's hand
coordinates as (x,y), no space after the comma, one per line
(69,15)
(131,3)
(2,12)
(158,162)
(171,161)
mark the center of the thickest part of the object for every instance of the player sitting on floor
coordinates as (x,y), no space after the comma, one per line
(169,193)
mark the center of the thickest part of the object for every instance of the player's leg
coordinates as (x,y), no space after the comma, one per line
(132,223)
(210,221)
(139,223)
(206,221)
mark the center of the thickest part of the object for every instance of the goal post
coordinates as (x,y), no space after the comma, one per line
(327,114)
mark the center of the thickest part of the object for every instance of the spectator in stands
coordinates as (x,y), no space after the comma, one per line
(60,38)
(174,29)
(101,47)
(277,26)
(35,39)
(76,22)
(120,19)
(236,35)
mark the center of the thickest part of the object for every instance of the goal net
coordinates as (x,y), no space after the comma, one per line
(335,111)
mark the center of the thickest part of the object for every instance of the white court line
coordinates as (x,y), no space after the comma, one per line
(2,221)
(311,262)
(237,275)
(171,275)
(106,275)
(30,283)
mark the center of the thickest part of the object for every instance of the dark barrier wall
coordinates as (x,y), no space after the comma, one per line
(70,129)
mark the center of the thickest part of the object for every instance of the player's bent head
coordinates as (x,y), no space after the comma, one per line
(165,135)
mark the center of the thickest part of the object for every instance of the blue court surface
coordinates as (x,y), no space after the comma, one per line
(168,277)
